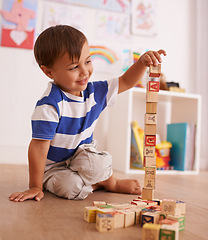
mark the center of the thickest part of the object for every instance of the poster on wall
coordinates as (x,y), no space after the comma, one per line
(123,6)
(56,13)
(144,19)
(114,26)
(18,23)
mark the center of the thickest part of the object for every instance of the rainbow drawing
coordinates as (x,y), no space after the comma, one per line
(103,53)
(136,56)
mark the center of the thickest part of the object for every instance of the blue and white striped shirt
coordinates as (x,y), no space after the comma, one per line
(69,121)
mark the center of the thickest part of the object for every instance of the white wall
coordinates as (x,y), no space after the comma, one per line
(22,83)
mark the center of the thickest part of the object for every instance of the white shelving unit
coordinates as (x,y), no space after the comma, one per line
(173,107)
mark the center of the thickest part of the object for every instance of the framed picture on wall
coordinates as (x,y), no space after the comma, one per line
(144,17)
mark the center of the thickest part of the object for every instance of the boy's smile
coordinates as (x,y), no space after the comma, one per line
(72,77)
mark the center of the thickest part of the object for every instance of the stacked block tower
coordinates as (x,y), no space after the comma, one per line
(149,161)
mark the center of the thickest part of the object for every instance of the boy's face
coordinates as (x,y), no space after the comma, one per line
(72,77)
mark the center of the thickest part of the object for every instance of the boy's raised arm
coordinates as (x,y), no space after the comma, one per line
(37,155)
(135,73)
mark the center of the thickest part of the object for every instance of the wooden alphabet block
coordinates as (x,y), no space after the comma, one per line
(151,97)
(182,206)
(129,217)
(151,107)
(150,173)
(150,140)
(90,214)
(150,217)
(155,71)
(149,151)
(153,86)
(147,194)
(169,229)
(150,129)
(149,183)
(104,222)
(98,203)
(149,161)
(168,206)
(139,203)
(118,219)
(150,118)
(180,219)
(150,231)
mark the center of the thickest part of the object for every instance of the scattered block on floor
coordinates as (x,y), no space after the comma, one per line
(169,229)
(180,219)
(90,214)
(118,219)
(182,206)
(129,217)
(169,207)
(147,194)
(98,203)
(104,222)
(150,231)
(150,217)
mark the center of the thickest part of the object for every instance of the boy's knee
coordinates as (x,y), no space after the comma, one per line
(65,184)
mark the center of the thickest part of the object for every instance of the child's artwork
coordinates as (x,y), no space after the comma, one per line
(144,17)
(55,14)
(123,6)
(113,26)
(18,23)
(104,59)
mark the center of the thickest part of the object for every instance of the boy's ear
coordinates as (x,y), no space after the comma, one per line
(47,71)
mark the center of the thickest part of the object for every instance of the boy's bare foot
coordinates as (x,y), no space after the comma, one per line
(113,184)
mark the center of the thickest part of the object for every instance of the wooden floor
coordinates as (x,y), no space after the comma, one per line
(56,218)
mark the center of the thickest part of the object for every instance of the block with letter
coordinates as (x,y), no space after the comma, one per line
(169,229)
(181,205)
(147,194)
(149,151)
(150,118)
(150,140)
(180,219)
(149,183)
(150,172)
(153,86)
(90,214)
(151,107)
(155,71)
(118,219)
(150,217)
(152,97)
(150,231)
(104,222)
(168,206)
(149,161)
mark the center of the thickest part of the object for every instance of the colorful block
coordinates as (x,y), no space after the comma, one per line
(155,71)
(153,86)
(150,140)
(98,203)
(150,231)
(180,219)
(150,217)
(90,214)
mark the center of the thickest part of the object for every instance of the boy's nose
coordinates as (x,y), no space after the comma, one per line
(83,71)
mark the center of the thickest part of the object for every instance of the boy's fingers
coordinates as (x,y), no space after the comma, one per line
(39,196)
(161,51)
(14,195)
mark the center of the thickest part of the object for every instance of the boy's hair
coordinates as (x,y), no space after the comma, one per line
(56,41)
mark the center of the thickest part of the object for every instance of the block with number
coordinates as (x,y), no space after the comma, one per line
(155,71)
(149,151)
(150,140)
(104,222)
(150,231)
(150,118)
(151,107)
(149,161)
(153,86)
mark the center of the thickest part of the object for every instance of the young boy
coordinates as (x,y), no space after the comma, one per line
(62,155)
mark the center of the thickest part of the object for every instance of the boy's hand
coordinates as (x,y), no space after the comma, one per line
(33,192)
(152,57)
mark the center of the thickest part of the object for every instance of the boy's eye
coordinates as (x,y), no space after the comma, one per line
(74,67)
